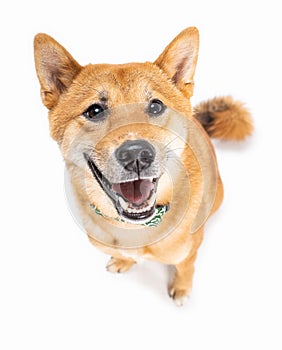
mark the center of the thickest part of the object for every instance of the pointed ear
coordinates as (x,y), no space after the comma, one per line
(55,68)
(179,60)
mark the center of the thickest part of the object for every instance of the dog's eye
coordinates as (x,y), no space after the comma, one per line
(94,112)
(156,107)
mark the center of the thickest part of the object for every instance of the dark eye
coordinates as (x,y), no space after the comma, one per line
(156,107)
(94,112)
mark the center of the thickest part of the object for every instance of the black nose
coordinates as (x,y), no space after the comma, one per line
(135,155)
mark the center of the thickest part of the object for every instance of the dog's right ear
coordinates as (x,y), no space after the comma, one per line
(55,68)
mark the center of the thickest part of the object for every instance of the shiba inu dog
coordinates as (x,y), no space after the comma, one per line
(142,167)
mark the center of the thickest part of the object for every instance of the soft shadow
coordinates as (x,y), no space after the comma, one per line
(153,275)
(235,146)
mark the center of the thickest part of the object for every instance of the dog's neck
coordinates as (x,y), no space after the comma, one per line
(153,221)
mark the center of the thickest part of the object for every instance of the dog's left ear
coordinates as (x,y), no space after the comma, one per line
(179,60)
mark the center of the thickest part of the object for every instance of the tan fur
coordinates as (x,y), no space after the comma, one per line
(224,118)
(67,89)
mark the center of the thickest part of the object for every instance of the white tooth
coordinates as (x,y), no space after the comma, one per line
(123,203)
(151,201)
(134,210)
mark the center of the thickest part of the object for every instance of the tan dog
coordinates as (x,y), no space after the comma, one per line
(117,126)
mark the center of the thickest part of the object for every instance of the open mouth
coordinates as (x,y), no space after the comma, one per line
(134,200)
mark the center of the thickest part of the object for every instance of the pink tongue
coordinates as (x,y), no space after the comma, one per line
(135,192)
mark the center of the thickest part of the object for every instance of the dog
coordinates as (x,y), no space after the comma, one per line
(117,126)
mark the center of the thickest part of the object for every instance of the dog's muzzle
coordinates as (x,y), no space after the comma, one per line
(134,199)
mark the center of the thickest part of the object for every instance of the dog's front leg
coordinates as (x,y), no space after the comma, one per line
(181,286)
(120,264)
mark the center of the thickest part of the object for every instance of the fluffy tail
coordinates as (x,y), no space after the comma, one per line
(224,118)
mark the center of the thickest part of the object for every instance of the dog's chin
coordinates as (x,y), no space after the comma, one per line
(135,201)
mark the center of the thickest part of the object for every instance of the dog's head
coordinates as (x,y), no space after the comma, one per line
(114,123)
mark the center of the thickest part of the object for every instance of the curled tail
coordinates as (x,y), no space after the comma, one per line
(224,118)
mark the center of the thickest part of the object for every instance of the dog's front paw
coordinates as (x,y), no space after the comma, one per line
(179,296)
(119,265)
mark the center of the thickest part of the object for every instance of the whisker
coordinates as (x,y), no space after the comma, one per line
(170,142)
(100,81)
(174,149)
(173,156)
(175,160)
(98,91)
(149,81)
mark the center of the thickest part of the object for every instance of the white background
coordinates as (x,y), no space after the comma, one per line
(55,292)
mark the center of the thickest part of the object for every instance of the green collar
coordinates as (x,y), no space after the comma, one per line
(154,221)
